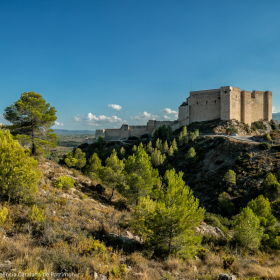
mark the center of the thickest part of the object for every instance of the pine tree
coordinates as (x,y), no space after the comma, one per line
(141,177)
(170,152)
(184,131)
(169,223)
(230,177)
(76,159)
(112,174)
(32,118)
(159,144)
(191,156)
(174,145)
(134,149)
(93,166)
(225,204)
(149,148)
(122,152)
(248,232)
(19,174)
(169,133)
(271,186)
(165,147)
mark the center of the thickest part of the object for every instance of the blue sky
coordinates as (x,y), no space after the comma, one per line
(144,56)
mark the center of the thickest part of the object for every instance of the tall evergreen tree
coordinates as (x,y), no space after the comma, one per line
(174,145)
(169,223)
(248,232)
(31,119)
(112,174)
(141,177)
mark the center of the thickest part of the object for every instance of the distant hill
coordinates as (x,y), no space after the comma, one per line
(276,117)
(73,132)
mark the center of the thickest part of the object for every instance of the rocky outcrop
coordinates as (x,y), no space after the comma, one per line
(226,277)
(207,229)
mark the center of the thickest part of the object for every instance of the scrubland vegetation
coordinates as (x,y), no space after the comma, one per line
(177,206)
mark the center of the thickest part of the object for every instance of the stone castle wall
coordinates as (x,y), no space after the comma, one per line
(224,103)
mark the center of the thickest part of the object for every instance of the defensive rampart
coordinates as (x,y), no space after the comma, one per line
(224,103)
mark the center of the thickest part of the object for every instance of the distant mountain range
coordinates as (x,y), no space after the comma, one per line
(73,132)
(276,117)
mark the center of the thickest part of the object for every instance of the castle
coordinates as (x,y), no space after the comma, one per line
(224,103)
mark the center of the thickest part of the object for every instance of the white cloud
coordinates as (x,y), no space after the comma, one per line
(166,117)
(168,111)
(115,106)
(93,120)
(274,109)
(58,123)
(145,116)
(77,119)
(1,116)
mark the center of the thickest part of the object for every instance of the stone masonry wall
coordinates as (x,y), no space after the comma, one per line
(235,104)
(224,103)
(204,105)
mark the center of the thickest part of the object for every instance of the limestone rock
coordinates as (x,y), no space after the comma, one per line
(207,229)
(226,277)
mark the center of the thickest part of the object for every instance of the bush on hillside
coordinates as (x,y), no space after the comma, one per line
(19,174)
(64,182)
(265,146)
(232,130)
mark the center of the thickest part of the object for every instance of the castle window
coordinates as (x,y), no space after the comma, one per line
(215,101)
(219,97)
(206,102)
(225,91)
(197,102)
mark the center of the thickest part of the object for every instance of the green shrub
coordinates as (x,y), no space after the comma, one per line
(265,146)
(228,261)
(36,215)
(64,182)
(268,137)
(123,269)
(19,174)
(273,126)
(3,215)
(115,272)
(232,130)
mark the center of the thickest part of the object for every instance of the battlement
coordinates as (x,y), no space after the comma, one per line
(223,103)
(226,103)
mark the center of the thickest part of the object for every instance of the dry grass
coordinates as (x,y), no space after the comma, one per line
(67,240)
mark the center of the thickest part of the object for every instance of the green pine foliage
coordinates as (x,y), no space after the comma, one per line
(174,145)
(271,186)
(191,156)
(141,177)
(165,147)
(31,119)
(112,174)
(168,224)
(36,215)
(248,232)
(93,166)
(170,151)
(225,204)
(19,174)
(3,215)
(230,177)
(261,208)
(76,159)
(64,182)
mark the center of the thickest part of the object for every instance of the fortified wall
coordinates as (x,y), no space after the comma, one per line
(135,130)
(224,103)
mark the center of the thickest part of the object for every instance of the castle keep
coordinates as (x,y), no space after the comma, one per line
(224,103)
